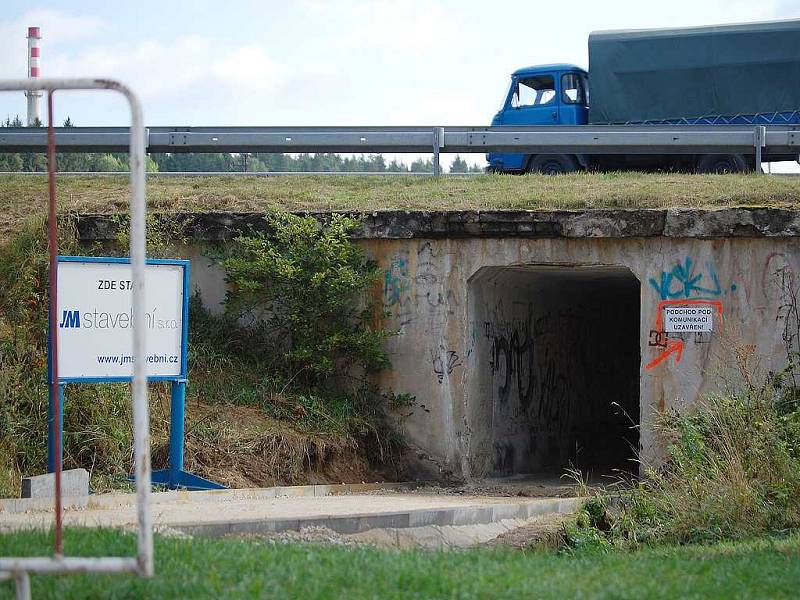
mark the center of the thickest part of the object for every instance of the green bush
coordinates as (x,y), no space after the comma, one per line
(311,284)
(244,365)
(304,291)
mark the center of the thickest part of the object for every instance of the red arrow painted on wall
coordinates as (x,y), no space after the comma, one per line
(673,346)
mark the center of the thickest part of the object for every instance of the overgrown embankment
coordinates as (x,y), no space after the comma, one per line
(271,403)
(732,471)
(24,195)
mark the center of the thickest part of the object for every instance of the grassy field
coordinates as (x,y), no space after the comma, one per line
(22,196)
(229,568)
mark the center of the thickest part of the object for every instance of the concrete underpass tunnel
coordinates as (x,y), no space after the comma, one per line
(555,371)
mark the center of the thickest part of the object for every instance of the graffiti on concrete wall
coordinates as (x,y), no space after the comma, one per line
(551,377)
(685,280)
(511,356)
(522,375)
(415,288)
(672,343)
(684,284)
(779,285)
(444,362)
(396,283)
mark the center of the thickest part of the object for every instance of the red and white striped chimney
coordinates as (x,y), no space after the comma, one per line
(34,35)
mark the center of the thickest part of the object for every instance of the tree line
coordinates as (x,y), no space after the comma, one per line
(219,161)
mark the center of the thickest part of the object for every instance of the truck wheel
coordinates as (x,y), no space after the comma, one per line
(552,164)
(723,163)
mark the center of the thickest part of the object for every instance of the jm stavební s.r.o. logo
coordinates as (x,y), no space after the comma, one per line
(95,319)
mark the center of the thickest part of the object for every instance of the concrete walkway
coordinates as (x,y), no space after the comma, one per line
(263,511)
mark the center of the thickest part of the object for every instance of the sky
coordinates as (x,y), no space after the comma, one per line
(310,62)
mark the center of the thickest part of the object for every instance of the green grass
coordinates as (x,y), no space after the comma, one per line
(22,196)
(229,568)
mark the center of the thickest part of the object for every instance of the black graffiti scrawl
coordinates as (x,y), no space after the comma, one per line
(511,357)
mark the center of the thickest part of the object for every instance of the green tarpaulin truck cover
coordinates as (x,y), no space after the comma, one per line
(643,75)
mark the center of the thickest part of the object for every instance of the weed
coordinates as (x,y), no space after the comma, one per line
(732,470)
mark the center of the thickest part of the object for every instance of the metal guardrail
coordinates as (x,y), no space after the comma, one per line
(773,140)
(243,173)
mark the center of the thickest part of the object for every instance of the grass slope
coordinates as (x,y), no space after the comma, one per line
(22,196)
(229,568)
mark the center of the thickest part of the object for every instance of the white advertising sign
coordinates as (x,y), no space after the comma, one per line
(95,320)
(681,319)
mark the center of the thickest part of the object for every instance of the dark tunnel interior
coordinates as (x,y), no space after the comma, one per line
(557,369)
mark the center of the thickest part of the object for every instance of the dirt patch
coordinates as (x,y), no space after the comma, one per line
(240,447)
(533,487)
(543,533)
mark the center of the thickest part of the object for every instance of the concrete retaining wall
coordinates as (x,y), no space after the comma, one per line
(427,290)
(461,285)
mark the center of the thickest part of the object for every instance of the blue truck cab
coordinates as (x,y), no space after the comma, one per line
(541,95)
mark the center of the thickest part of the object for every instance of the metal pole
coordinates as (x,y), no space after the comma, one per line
(23,584)
(52,237)
(141,418)
(176,431)
(437,168)
(51,404)
(760,142)
(143,563)
(55,429)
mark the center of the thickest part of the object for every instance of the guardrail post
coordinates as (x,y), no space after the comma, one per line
(759,140)
(438,142)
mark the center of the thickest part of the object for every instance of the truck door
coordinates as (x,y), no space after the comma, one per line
(533,101)
(574,105)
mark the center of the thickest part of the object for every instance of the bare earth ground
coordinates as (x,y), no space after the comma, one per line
(523,486)
(25,196)
(239,447)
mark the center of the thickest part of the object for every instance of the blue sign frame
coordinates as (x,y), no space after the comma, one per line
(174,476)
(177,262)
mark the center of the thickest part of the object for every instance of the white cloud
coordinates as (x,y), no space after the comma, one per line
(786,9)
(157,70)
(167,70)
(249,67)
(413,27)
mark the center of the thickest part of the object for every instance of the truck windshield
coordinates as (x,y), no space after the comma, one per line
(533,91)
(573,90)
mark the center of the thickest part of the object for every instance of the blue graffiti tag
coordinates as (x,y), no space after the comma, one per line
(395,282)
(683,282)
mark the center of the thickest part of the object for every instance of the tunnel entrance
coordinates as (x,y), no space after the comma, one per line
(555,378)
